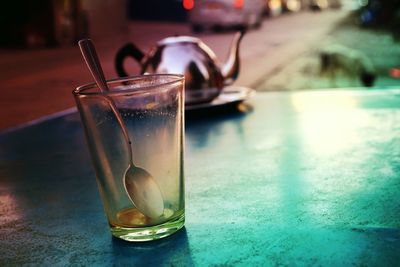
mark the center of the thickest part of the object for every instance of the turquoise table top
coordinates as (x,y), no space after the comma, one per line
(306,178)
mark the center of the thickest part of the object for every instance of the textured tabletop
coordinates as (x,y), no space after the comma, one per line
(308,178)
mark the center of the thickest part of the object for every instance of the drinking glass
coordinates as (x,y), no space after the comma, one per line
(150,110)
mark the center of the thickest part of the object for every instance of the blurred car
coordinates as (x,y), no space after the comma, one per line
(216,14)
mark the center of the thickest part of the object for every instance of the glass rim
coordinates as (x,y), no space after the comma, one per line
(80,90)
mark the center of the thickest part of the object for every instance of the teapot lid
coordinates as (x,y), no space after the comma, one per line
(178,39)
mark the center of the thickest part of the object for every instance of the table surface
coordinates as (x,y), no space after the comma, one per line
(306,178)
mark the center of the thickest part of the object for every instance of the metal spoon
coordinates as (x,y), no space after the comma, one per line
(140,186)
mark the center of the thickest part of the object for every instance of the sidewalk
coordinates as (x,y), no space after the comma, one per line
(303,72)
(38,83)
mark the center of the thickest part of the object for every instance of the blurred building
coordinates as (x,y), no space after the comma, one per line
(158,10)
(59,22)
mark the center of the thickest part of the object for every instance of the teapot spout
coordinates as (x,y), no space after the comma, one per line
(230,70)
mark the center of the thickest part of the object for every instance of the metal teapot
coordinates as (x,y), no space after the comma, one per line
(204,78)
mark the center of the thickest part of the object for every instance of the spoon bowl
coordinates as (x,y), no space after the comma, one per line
(144,192)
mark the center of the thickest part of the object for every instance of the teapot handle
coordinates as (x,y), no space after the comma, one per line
(128,50)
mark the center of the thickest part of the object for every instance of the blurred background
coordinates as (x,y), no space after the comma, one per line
(289,44)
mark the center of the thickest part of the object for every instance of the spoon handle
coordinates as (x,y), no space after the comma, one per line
(92,60)
(123,127)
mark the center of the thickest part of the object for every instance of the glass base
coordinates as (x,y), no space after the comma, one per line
(149,233)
